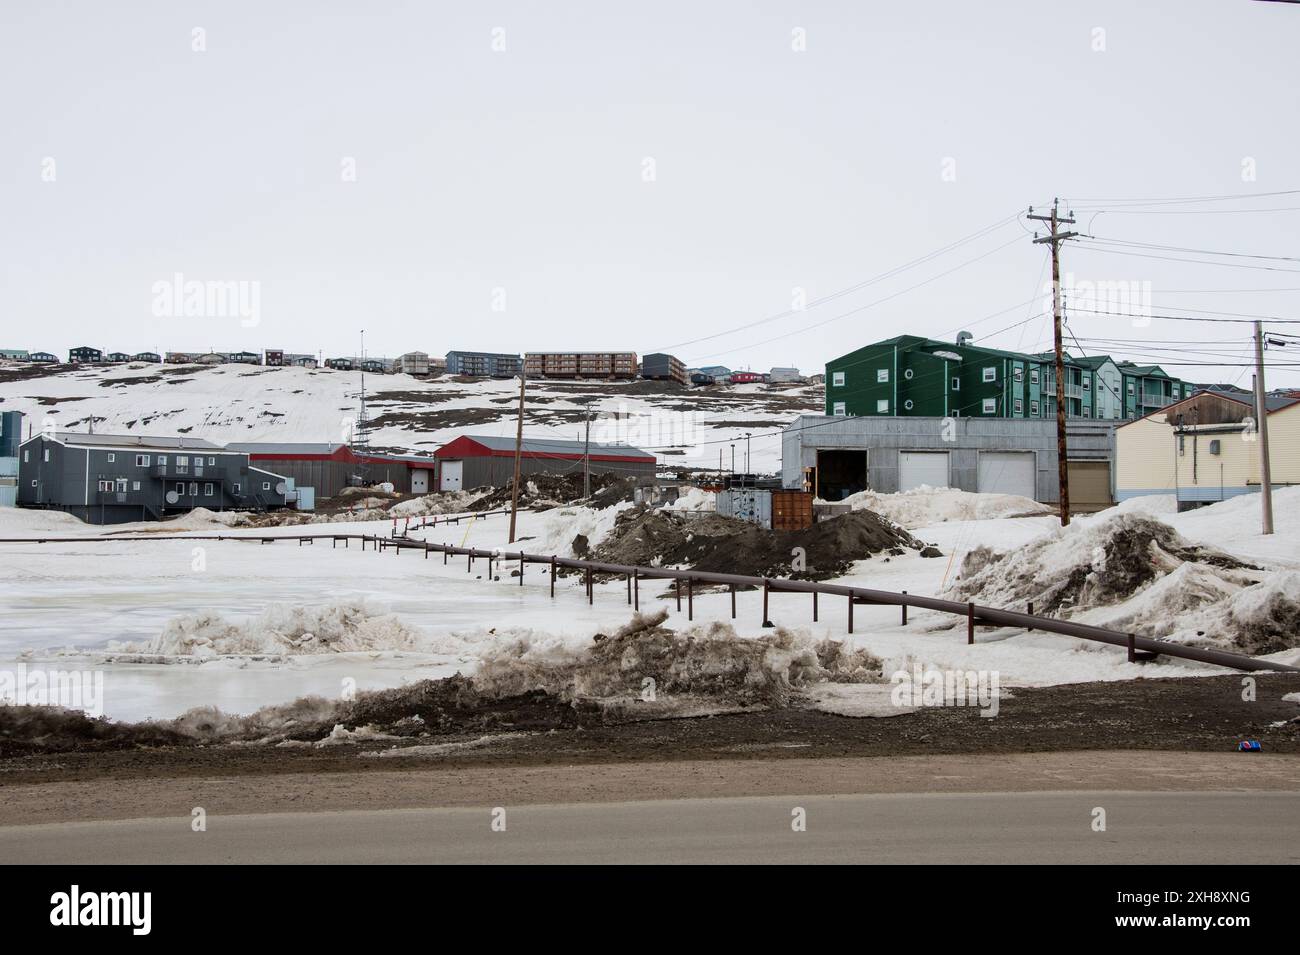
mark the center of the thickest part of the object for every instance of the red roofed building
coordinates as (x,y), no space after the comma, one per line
(474,460)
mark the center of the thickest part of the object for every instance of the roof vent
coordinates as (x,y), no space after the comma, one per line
(964,338)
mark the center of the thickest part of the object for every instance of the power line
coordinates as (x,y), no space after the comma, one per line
(1170,258)
(1175,248)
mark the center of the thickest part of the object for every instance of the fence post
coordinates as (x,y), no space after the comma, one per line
(766,622)
(970,622)
(552,575)
(814,606)
(1031,613)
(1132,649)
(636,590)
(591,597)
(905,608)
(733,601)
(629,588)
(521,568)
(850,611)
(690,598)
(677,582)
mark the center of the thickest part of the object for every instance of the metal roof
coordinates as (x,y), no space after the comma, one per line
(284,447)
(179,443)
(544,446)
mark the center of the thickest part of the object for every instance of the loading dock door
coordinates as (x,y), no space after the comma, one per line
(839,474)
(419,481)
(1008,472)
(922,467)
(451,473)
(1089,485)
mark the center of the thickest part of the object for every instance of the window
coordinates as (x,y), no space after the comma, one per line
(1019,407)
(1087,384)
(235,488)
(1033,376)
(121,485)
(882,406)
(162,459)
(27,455)
(207,490)
(142,460)
(882,376)
(194,489)
(212,462)
(135,485)
(182,461)
(1018,374)
(837,410)
(1130,387)
(105,486)
(47,455)
(112,458)
(837,378)
(33,482)
(991,373)
(908,404)
(956,384)
(1033,408)
(990,406)
(180,487)
(907,373)
(266,485)
(1087,412)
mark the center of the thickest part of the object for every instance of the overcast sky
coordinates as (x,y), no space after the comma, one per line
(574,175)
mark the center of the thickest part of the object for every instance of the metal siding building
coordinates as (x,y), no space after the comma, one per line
(329,467)
(480,364)
(486,460)
(659,365)
(888,454)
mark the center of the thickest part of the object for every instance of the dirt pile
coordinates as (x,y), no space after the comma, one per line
(1088,564)
(711,542)
(528,684)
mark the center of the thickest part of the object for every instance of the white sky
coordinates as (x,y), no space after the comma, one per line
(522,170)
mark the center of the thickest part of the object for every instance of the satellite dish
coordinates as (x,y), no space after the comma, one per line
(280,488)
(172,497)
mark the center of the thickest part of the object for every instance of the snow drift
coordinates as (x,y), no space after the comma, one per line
(924,505)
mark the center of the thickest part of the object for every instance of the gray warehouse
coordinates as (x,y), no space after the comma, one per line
(112,479)
(839,456)
(476,460)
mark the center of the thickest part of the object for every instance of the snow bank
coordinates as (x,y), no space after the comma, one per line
(694,499)
(923,506)
(446,502)
(341,627)
(561,526)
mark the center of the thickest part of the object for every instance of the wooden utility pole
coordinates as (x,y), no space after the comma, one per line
(1261,415)
(1055,238)
(519,450)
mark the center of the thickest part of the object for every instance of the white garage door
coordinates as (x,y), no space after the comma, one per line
(451,472)
(419,481)
(1007,472)
(922,467)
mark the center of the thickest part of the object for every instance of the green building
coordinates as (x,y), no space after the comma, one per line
(910,375)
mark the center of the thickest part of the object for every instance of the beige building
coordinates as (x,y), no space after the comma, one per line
(1206,448)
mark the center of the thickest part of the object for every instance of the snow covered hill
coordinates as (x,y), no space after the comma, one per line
(222,403)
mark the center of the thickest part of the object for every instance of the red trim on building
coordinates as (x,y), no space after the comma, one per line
(466,447)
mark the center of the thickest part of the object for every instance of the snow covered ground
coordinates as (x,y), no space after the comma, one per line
(227,403)
(154,615)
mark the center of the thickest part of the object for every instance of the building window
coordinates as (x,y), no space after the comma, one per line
(33,482)
(162,459)
(1019,373)
(1087,412)
(235,489)
(142,460)
(212,462)
(135,485)
(882,406)
(1087,384)
(1033,376)
(1130,387)
(837,378)
(266,485)
(907,373)
(180,487)
(956,384)
(882,376)
(121,485)
(1033,408)
(990,406)
(838,409)
(1019,407)
(112,458)
(991,373)
(47,455)
(908,404)
(105,486)
(194,489)
(207,490)
(27,456)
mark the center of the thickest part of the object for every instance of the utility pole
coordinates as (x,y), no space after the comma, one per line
(1261,415)
(586,454)
(519,450)
(1055,238)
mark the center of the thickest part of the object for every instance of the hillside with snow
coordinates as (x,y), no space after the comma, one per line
(224,403)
